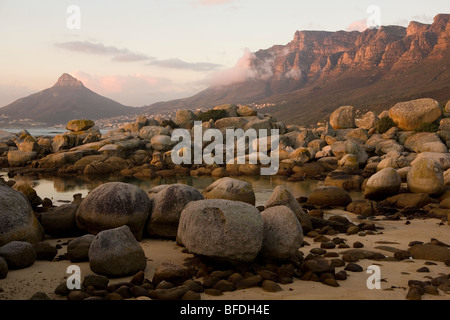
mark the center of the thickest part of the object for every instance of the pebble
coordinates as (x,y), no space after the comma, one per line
(77,295)
(138,278)
(319,251)
(358,245)
(402,255)
(168,294)
(192,296)
(267,275)
(236,277)
(113,296)
(138,291)
(413,243)
(327,245)
(225,285)
(331,255)
(331,282)
(430,263)
(352,230)
(337,263)
(193,285)
(213,292)
(322,238)
(343,246)
(349,258)
(414,293)
(341,275)
(353,267)
(40,296)
(250,282)
(124,291)
(271,286)
(165,285)
(431,290)
(97,281)
(423,270)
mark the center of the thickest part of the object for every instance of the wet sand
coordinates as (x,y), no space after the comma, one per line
(45,276)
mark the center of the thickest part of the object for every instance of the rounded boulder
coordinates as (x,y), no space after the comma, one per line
(230,189)
(409,115)
(223,230)
(383,184)
(167,203)
(113,205)
(426,176)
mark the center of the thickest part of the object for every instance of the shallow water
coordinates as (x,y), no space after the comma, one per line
(63,189)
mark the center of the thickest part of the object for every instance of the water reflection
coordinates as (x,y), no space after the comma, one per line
(63,188)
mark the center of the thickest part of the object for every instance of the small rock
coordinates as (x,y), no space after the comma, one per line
(352,230)
(40,296)
(77,295)
(168,294)
(170,272)
(268,275)
(331,282)
(402,255)
(236,277)
(114,296)
(327,245)
(250,282)
(341,275)
(414,293)
(431,290)
(213,292)
(192,285)
(423,270)
(3,268)
(353,267)
(62,289)
(271,286)
(165,285)
(18,254)
(358,245)
(78,249)
(138,278)
(97,281)
(124,292)
(191,296)
(225,286)
(45,251)
(319,251)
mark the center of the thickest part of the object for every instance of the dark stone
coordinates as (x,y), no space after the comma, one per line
(192,285)
(249,282)
(286,280)
(402,255)
(78,249)
(124,291)
(331,282)
(271,286)
(40,296)
(341,275)
(414,293)
(165,285)
(191,296)
(138,278)
(268,275)
(213,292)
(77,295)
(222,274)
(331,255)
(413,243)
(18,254)
(225,285)
(113,296)
(430,252)
(138,291)
(353,267)
(45,251)
(209,282)
(316,265)
(168,294)
(431,290)
(62,289)
(97,281)
(358,245)
(236,277)
(423,270)
(319,251)
(347,257)
(337,263)
(327,245)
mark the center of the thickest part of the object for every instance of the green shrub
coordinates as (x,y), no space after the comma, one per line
(385,124)
(212,114)
(428,127)
(170,123)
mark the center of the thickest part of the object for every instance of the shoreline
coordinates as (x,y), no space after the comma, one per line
(45,276)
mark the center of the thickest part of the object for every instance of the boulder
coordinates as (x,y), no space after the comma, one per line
(45,251)
(246,111)
(426,142)
(224,230)
(410,115)
(363,207)
(385,146)
(112,205)
(231,123)
(281,196)
(259,124)
(18,158)
(79,125)
(426,176)
(230,189)
(383,184)
(78,249)
(110,165)
(444,125)
(329,196)
(408,200)
(359,136)
(368,121)
(162,143)
(148,132)
(17,220)
(167,202)
(116,253)
(447,107)
(443,159)
(283,235)
(231,109)
(60,221)
(185,119)
(301,155)
(341,148)
(173,273)
(343,118)
(18,255)
(430,252)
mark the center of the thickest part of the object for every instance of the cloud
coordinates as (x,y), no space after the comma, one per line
(213,2)
(183,65)
(122,55)
(249,66)
(294,73)
(135,89)
(359,25)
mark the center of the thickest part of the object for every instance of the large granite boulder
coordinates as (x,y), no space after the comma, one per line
(167,203)
(113,205)
(329,196)
(426,142)
(18,254)
(116,253)
(426,176)
(17,158)
(17,220)
(409,115)
(281,196)
(223,230)
(343,118)
(283,235)
(79,125)
(383,184)
(230,189)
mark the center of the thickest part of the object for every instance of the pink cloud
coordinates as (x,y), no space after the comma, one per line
(359,25)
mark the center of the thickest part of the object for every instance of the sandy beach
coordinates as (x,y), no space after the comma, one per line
(45,276)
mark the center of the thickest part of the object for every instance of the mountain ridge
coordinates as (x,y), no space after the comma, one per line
(319,71)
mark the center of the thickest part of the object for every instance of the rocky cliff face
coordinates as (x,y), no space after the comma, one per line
(319,71)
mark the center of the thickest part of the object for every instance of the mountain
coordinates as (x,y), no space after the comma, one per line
(68,99)
(319,71)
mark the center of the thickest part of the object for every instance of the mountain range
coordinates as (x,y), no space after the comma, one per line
(304,81)
(318,71)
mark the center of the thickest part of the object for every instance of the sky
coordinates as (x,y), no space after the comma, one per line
(138,52)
